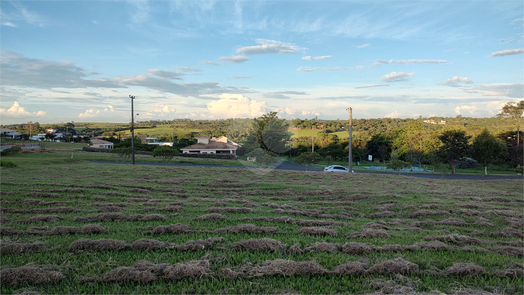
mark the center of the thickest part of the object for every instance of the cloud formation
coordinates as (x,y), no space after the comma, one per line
(236,106)
(16,110)
(269,46)
(397,76)
(283,94)
(308,57)
(508,52)
(165,74)
(470,109)
(379,62)
(309,69)
(363,45)
(395,114)
(456,81)
(234,58)
(371,86)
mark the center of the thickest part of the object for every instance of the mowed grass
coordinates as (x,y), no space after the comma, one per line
(393,234)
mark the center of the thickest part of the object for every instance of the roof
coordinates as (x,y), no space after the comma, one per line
(211,146)
(99,141)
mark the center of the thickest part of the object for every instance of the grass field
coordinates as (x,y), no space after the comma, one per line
(70,226)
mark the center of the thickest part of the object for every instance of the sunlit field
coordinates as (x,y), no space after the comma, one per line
(79,227)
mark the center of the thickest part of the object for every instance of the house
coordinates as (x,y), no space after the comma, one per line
(9,133)
(101,144)
(217,146)
(155,141)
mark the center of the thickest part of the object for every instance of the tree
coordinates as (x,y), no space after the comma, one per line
(308,159)
(454,146)
(515,111)
(379,146)
(271,133)
(123,152)
(487,149)
(164,152)
(263,157)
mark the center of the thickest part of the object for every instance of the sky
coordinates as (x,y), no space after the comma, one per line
(78,61)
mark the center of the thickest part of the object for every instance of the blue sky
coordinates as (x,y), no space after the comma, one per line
(79,61)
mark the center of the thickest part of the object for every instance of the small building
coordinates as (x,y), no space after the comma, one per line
(101,144)
(155,141)
(4,132)
(217,146)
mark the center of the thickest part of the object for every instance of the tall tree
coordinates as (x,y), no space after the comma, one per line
(271,133)
(487,149)
(454,146)
(514,110)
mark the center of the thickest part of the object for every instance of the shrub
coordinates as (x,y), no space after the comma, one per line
(7,164)
(465,163)
(164,152)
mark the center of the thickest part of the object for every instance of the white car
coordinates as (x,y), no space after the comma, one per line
(337,168)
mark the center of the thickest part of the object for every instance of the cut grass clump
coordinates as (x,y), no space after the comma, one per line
(16,248)
(211,217)
(434,246)
(350,268)
(286,268)
(263,245)
(230,210)
(44,218)
(30,274)
(420,213)
(464,269)
(171,229)
(354,248)
(324,247)
(98,245)
(148,244)
(121,217)
(198,245)
(145,272)
(318,231)
(370,233)
(456,239)
(394,266)
(247,228)
(514,251)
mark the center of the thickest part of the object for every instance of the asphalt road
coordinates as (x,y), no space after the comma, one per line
(297,167)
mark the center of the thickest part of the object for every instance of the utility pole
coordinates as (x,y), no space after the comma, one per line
(350,147)
(312,141)
(132,129)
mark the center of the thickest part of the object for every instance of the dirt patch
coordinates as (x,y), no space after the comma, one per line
(370,233)
(197,245)
(12,248)
(434,246)
(148,244)
(212,217)
(246,228)
(178,228)
(44,218)
(263,245)
(230,210)
(324,247)
(394,266)
(519,252)
(29,274)
(354,248)
(318,231)
(464,269)
(98,245)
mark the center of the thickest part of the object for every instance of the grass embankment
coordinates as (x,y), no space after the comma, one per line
(315,233)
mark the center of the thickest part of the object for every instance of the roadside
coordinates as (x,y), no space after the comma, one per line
(296,167)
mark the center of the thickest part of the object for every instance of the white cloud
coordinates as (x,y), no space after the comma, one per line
(9,24)
(456,81)
(371,86)
(316,57)
(164,74)
(160,108)
(397,76)
(234,58)
(269,46)
(242,77)
(307,57)
(236,106)
(510,90)
(109,108)
(363,45)
(309,69)
(508,52)
(309,113)
(89,114)
(211,63)
(379,62)
(286,111)
(470,109)
(395,114)
(16,110)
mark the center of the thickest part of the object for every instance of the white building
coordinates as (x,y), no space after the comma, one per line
(205,145)
(4,132)
(101,144)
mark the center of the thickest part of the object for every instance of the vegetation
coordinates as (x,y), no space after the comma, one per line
(165,153)
(488,149)
(454,146)
(85,228)
(308,159)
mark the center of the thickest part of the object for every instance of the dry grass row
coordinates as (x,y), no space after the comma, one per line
(12,248)
(121,217)
(300,222)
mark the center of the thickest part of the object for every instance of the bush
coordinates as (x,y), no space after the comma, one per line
(465,163)
(164,152)
(7,164)
(264,158)
(6,152)
(519,169)
(11,151)
(308,159)
(123,152)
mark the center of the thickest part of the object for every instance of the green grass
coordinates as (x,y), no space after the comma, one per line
(197,188)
